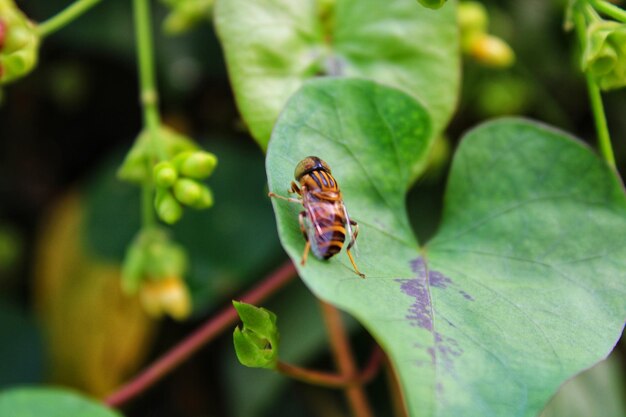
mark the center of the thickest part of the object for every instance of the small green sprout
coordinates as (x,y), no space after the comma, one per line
(256,344)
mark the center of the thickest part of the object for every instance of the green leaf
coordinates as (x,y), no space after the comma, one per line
(256,344)
(50,402)
(598,391)
(522,286)
(272,47)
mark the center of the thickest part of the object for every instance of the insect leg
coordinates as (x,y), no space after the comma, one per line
(301,217)
(294,189)
(306,253)
(291,200)
(356,270)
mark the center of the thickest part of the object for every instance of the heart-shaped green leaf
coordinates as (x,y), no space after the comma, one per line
(273,46)
(523,285)
(50,402)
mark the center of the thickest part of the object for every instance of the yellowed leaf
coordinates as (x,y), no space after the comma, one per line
(96,335)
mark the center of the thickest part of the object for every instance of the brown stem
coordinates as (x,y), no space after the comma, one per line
(345,360)
(332,380)
(187,347)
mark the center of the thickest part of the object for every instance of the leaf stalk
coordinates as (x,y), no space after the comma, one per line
(65,17)
(345,361)
(595,97)
(333,380)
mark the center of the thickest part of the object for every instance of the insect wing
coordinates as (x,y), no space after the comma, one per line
(320,214)
(351,237)
(311,228)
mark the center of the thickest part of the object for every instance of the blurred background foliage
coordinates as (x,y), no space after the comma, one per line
(65,220)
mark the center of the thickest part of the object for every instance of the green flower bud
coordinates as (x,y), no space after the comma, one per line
(432,4)
(168,209)
(19,43)
(137,167)
(472,17)
(186,14)
(256,344)
(152,255)
(165,175)
(164,259)
(198,165)
(187,191)
(205,200)
(154,267)
(181,157)
(604,56)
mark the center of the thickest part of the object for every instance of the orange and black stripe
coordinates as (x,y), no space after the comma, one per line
(331,239)
(320,180)
(330,231)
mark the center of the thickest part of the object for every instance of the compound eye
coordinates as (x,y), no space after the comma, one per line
(325,165)
(304,166)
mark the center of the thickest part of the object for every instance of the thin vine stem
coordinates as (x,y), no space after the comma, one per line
(145,60)
(332,380)
(609,9)
(65,17)
(213,327)
(595,97)
(602,128)
(345,361)
(148,96)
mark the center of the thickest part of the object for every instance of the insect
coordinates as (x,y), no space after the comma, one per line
(324,222)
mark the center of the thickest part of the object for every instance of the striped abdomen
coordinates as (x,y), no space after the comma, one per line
(325,213)
(326,230)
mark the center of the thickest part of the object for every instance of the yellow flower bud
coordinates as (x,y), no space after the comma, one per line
(491,51)
(168,295)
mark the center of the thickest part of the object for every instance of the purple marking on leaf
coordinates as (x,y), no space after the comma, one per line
(438,280)
(418,265)
(431,352)
(419,312)
(444,349)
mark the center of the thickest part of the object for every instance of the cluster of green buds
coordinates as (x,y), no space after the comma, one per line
(154,267)
(19,43)
(604,55)
(177,179)
(185,14)
(476,42)
(256,344)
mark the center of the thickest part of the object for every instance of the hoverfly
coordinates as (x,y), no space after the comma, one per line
(324,220)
